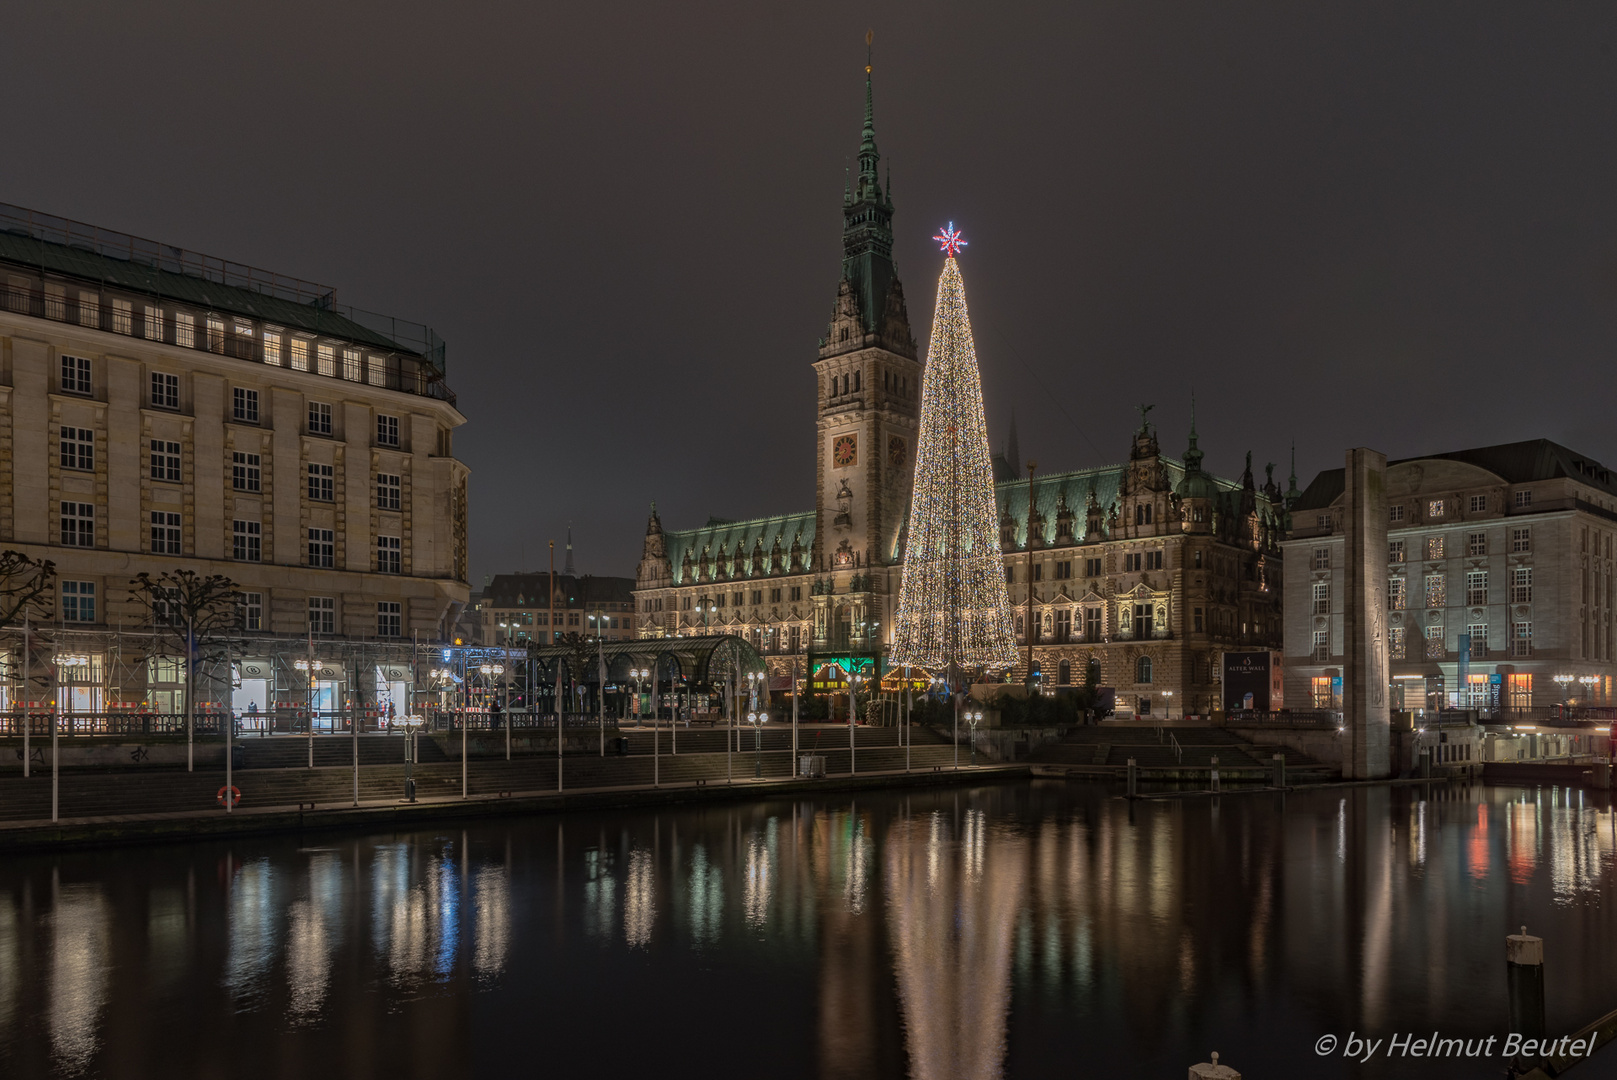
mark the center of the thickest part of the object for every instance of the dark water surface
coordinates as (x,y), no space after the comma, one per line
(1030,930)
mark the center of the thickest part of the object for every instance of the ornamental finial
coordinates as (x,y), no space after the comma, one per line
(950,239)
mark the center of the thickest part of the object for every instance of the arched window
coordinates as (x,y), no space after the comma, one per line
(1142,670)
(1064,673)
(856,377)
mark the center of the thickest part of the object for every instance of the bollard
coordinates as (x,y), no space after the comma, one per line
(1212,1070)
(1524,972)
(1425,763)
(1280,771)
(1134,778)
(1215,772)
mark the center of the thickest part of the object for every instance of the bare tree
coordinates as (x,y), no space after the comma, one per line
(197,612)
(26,587)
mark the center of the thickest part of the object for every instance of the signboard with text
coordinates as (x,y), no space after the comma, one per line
(1252,681)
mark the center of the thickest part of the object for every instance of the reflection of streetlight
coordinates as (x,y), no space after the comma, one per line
(854,680)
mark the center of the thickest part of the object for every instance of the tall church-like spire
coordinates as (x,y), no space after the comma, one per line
(568,569)
(871,301)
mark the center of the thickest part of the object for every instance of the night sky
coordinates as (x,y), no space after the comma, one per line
(1345,224)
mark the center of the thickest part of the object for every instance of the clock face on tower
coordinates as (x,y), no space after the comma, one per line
(895,451)
(845,451)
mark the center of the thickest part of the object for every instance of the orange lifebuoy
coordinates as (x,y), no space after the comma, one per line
(235,795)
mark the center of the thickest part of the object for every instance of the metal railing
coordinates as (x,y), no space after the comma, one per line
(38,723)
(421,376)
(1302,718)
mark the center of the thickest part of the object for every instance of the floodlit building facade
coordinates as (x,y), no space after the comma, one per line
(1499,587)
(161,409)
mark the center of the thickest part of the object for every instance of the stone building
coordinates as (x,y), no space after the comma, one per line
(161,409)
(1499,592)
(1149,568)
(513,608)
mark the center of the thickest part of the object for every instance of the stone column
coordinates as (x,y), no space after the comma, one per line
(1364,624)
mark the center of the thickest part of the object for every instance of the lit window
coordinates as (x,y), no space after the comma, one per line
(123,317)
(1434,547)
(1395,594)
(1476,587)
(154,323)
(300,355)
(327,358)
(1395,642)
(272,349)
(165,533)
(1322,645)
(350,365)
(1434,643)
(216,334)
(1436,590)
(1322,598)
(376,371)
(1434,509)
(246,541)
(185,330)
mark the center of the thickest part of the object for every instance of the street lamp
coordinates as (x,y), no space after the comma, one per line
(308,667)
(1167,704)
(1564,681)
(974,718)
(756,718)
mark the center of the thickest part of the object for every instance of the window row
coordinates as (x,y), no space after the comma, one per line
(77,603)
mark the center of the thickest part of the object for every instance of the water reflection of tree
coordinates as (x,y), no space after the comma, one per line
(948,906)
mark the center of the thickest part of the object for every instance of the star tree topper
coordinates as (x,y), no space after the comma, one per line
(950,239)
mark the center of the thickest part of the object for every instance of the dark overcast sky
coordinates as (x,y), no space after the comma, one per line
(1391,225)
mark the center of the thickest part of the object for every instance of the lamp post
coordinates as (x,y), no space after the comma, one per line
(1564,682)
(599,619)
(505,712)
(1167,704)
(756,718)
(1588,683)
(974,718)
(854,679)
(309,668)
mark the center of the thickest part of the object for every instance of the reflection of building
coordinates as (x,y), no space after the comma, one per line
(1150,567)
(1500,569)
(163,410)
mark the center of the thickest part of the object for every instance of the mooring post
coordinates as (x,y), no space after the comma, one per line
(1215,772)
(1524,972)
(1426,763)
(1212,1070)
(1134,778)
(1280,771)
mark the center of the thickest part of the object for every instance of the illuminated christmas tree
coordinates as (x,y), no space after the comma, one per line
(953,607)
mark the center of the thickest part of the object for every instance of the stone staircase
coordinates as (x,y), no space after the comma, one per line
(1112,747)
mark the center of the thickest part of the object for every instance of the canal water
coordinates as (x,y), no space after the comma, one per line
(1025,929)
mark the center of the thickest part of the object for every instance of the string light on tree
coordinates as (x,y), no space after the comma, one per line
(953,607)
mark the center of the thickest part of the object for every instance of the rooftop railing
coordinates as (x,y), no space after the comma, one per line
(387,370)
